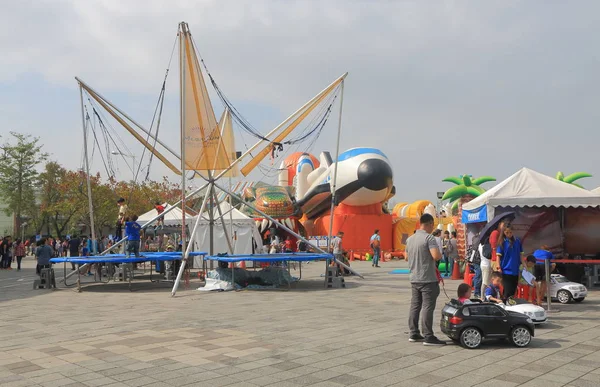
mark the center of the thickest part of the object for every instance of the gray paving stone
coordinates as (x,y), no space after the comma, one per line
(291,334)
(346,379)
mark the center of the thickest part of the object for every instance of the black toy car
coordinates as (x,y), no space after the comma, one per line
(470,324)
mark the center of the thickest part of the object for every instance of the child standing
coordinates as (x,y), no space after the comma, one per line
(132,232)
(120,219)
(492,292)
(160,222)
(85,252)
(529,266)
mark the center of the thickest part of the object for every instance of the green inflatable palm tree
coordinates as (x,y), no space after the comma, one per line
(465,185)
(572,177)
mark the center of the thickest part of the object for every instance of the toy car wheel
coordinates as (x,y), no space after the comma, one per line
(564,296)
(520,336)
(471,338)
(579,299)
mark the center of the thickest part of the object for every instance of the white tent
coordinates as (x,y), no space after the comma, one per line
(596,191)
(527,188)
(240,227)
(172,218)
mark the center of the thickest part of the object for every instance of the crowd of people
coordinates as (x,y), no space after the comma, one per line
(498,262)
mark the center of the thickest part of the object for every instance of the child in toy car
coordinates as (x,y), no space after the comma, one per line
(469,324)
(492,292)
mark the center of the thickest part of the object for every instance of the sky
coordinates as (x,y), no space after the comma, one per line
(443,88)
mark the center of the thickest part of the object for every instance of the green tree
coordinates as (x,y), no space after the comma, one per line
(572,178)
(61,196)
(18,173)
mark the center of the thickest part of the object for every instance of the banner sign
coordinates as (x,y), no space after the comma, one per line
(475,216)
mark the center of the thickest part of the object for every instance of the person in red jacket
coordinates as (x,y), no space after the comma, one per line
(160,222)
(494,236)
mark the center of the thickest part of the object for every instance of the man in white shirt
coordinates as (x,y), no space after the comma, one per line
(437,234)
(336,246)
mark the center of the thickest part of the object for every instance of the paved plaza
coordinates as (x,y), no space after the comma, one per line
(306,336)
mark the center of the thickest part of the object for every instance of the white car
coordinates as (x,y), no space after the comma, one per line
(566,291)
(536,313)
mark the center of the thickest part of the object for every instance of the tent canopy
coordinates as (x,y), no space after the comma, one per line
(596,191)
(527,188)
(241,228)
(172,218)
(228,212)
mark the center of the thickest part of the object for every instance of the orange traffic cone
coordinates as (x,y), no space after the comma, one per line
(456,271)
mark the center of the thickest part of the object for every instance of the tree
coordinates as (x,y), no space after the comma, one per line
(18,173)
(572,178)
(62,195)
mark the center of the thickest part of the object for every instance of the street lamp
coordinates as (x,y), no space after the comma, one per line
(117,153)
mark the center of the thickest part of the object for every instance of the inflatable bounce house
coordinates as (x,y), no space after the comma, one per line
(406,220)
(303,198)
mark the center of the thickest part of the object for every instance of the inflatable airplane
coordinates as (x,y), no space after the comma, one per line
(364,177)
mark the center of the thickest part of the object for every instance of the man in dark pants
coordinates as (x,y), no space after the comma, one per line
(5,253)
(74,249)
(423,252)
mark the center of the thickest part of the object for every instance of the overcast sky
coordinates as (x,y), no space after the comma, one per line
(443,88)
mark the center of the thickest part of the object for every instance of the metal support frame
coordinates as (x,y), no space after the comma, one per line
(292,232)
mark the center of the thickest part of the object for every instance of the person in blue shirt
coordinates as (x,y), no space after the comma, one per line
(376,246)
(541,255)
(132,232)
(492,291)
(510,253)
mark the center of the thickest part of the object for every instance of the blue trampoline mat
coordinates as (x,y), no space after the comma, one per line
(400,271)
(120,258)
(297,257)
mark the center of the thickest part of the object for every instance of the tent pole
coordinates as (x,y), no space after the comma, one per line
(183,31)
(335,171)
(87,173)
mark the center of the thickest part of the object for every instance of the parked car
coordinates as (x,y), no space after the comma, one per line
(473,323)
(536,313)
(565,291)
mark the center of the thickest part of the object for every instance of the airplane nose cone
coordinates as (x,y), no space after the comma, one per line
(375,174)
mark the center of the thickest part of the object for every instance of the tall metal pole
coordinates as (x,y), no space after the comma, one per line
(548,283)
(182,124)
(87,172)
(335,168)
(227,238)
(189,247)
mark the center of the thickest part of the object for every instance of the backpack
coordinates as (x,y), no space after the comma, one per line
(473,254)
(375,244)
(487,250)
